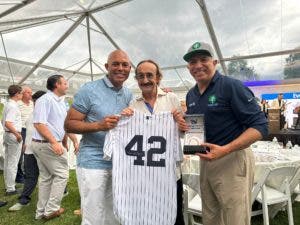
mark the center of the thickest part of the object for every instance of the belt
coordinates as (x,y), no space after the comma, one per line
(39,141)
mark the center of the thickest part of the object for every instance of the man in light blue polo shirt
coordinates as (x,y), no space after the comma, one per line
(92,114)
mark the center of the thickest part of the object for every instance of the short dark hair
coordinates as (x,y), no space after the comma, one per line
(14,89)
(158,71)
(52,81)
(37,94)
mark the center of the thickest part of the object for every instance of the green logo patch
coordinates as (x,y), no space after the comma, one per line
(196,45)
(212,99)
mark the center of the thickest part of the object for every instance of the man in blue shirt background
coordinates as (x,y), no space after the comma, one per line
(233,121)
(92,114)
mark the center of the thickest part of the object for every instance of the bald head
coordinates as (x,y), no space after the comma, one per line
(117,53)
(118,67)
(26,89)
(27,94)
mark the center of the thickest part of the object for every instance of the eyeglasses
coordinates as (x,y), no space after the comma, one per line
(141,76)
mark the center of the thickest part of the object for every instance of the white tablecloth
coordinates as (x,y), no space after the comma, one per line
(264,159)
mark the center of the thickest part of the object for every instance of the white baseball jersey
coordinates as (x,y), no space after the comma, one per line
(144,150)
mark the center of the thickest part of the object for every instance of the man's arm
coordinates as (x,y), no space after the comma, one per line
(44,131)
(74,123)
(75,142)
(11,128)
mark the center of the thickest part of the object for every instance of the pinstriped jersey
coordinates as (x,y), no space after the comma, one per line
(144,151)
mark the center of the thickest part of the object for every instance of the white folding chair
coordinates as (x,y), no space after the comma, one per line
(295,185)
(192,206)
(277,189)
(258,185)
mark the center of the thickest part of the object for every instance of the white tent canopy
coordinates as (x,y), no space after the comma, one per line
(73,37)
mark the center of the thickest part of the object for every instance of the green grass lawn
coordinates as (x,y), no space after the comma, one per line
(72,202)
(27,213)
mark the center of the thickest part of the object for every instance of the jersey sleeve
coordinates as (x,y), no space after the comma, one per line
(109,144)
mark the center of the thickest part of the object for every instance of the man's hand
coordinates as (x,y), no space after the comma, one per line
(127,112)
(108,122)
(178,116)
(65,143)
(57,148)
(76,147)
(216,151)
(19,137)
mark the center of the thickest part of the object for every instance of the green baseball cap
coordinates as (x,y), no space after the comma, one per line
(199,48)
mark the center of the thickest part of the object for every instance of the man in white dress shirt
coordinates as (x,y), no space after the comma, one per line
(50,149)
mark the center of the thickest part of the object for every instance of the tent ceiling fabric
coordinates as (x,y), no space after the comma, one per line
(40,37)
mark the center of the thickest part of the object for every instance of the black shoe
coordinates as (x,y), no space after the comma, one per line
(2,203)
(11,192)
(20,180)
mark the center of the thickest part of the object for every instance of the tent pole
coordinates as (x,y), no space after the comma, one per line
(107,35)
(16,7)
(89,44)
(76,71)
(51,50)
(212,34)
(10,71)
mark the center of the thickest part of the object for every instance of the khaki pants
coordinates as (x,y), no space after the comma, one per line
(54,174)
(12,155)
(226,186)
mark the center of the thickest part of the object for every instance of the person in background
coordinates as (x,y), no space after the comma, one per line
(26,108)
(30,164)
(264,107)
(233,121)
(49,146)
(280,104)
(12,124)
(297,111)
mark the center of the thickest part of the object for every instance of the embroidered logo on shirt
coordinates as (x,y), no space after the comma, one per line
(212,100)
(249,100)
(192,104)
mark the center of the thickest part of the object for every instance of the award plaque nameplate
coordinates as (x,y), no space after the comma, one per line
(195,136)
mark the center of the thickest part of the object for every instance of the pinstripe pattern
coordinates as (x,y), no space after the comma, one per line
(144,194)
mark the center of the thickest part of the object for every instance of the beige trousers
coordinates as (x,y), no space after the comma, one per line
(53,178)
(226,186)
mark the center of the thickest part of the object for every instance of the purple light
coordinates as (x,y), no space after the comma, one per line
(262,83)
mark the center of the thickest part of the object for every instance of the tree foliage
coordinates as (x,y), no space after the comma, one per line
(241,70)
(292,66)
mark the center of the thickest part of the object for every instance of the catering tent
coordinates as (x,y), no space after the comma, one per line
(73,37)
